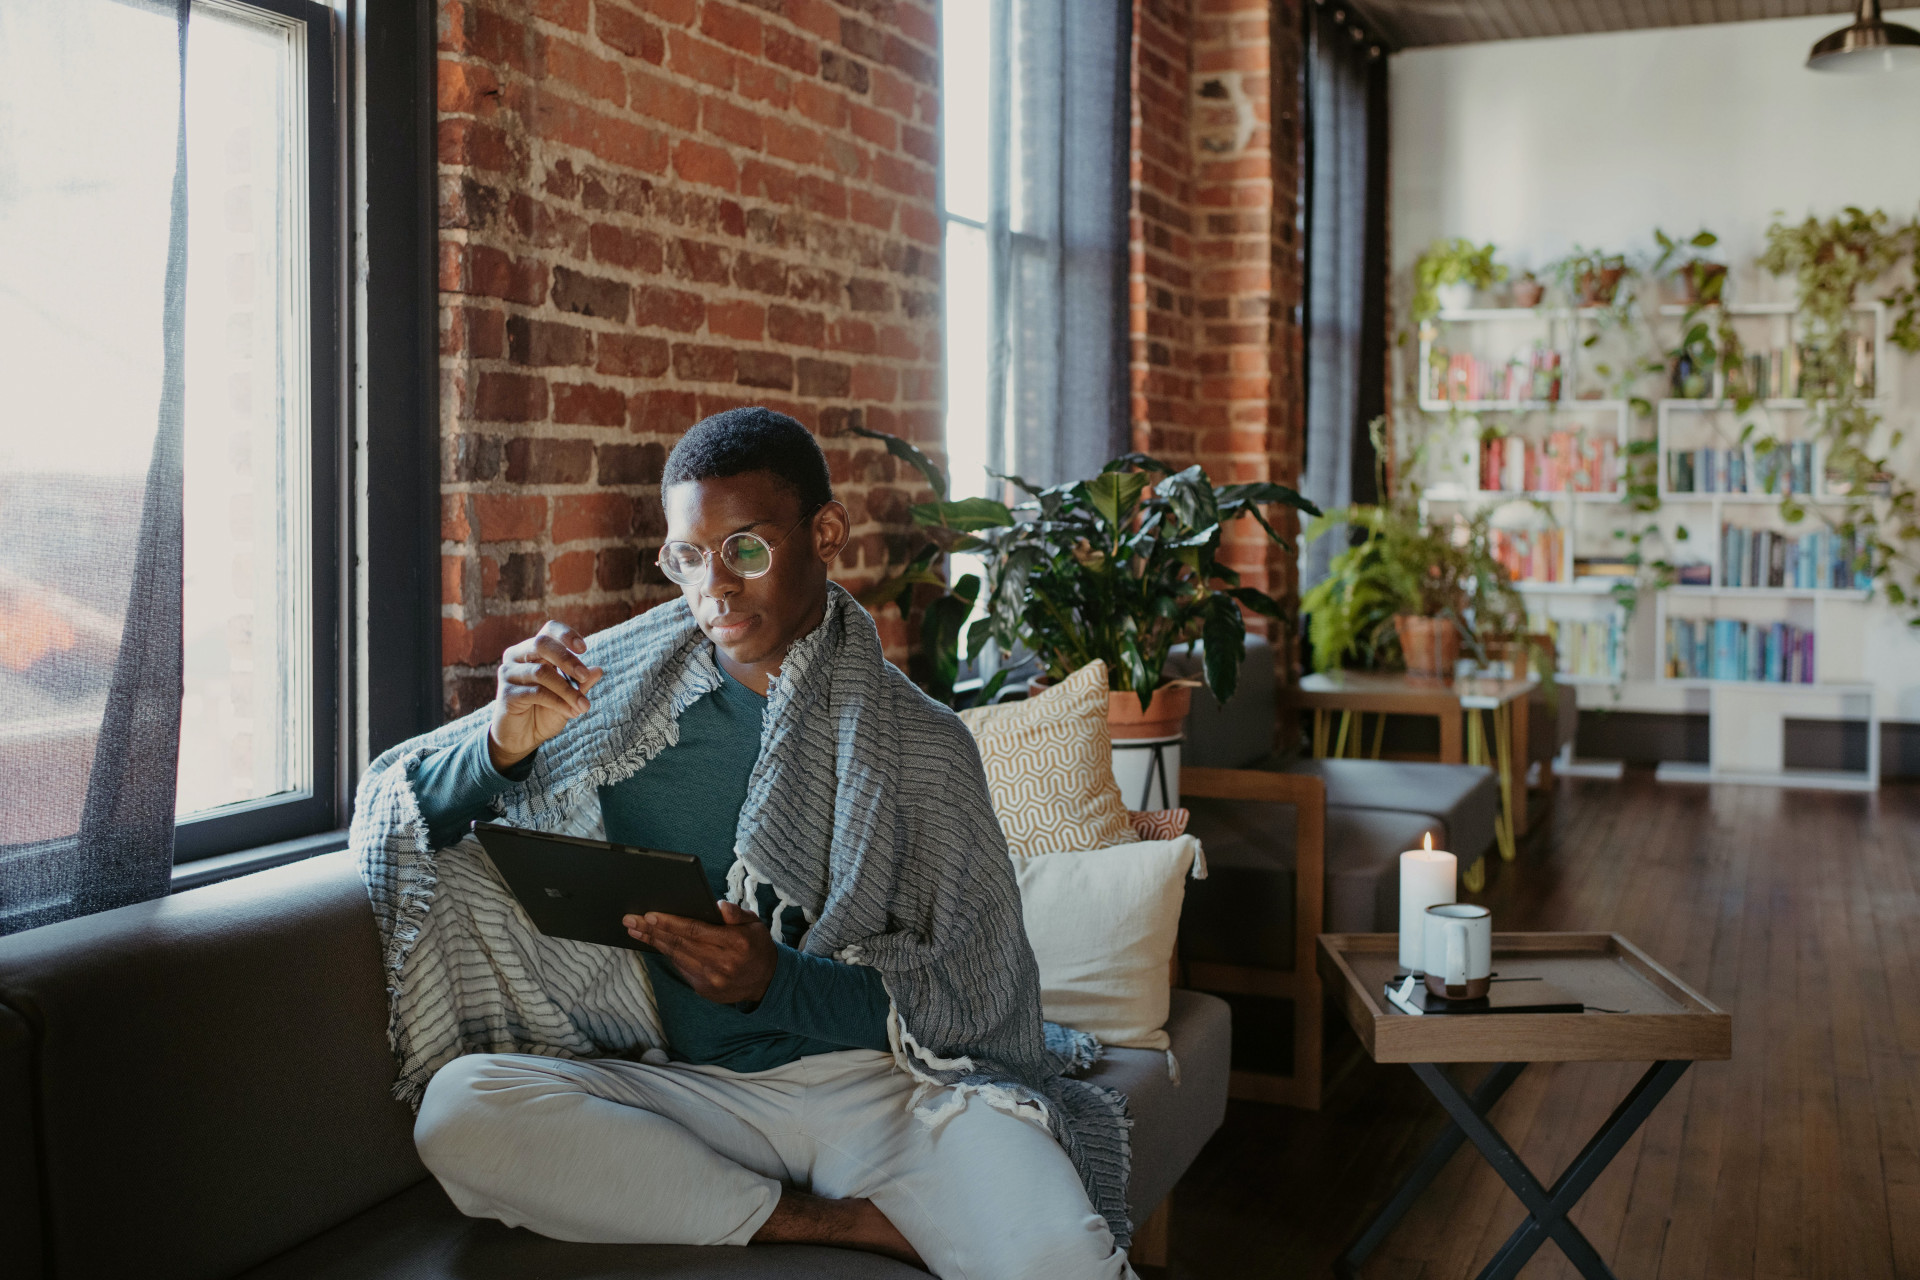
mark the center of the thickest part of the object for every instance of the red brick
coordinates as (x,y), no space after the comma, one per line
(616,141)
(791,51)
(820,104)
(668,309)
(763,83)
(876,127)
(793,142)
(761,275)
(565,13)
(616,568)
(482,269)
(823,196)
(453,518)
(567,62)
(736,124)
(631,355)
(816,16)
(698,261)
(570,574)
(916,23)
(765,369)
(475,331)
(542,461)
(695,363)
(543,342)
(920,223)
(920,144)
(824,379)
(733,27)
(578,517)
(617,246)
(662,98)
(769,182)
(509,517)
(875,382)
(473,143)
(452,575)
(631,463)
(482,644)
(707,165)
(589,405)
(628,32)
(903,176)
(510,397)
(665,412)
(796,327)
(467,88)
(873,210)
(693,57)
(745,321)
(851,335)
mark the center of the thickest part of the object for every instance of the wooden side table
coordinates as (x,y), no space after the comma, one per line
(1636,1011)
(1500,739)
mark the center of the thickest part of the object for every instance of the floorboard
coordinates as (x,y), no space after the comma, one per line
(1796,911)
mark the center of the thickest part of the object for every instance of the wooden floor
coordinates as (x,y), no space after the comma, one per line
(1797,911)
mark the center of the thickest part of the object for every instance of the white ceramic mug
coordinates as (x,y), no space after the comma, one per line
(1459,950)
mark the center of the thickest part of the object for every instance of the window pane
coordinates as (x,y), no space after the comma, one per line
(963,107)
(245,727)
(967,286)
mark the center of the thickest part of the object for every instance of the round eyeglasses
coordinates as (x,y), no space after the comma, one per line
(746,555)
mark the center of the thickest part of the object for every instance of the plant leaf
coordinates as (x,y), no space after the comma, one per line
(907,453)
(1113,495)
(967,515)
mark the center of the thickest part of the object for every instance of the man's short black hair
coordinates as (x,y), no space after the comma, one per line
(752,439)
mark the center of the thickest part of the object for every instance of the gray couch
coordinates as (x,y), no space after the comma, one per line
(200,1087)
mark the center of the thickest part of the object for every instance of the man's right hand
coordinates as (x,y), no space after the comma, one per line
(542,687)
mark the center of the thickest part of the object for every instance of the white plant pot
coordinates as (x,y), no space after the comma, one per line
(1144,783)
(1454,297)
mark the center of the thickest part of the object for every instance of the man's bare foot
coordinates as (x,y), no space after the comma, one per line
(800,1218)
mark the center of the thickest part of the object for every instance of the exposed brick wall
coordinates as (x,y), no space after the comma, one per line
(652,210)
(1217,375)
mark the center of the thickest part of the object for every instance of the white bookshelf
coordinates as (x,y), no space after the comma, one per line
(1746,717)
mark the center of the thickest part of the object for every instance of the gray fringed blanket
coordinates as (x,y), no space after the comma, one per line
(867,812)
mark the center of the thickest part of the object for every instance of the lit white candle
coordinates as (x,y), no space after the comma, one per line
(1426,880)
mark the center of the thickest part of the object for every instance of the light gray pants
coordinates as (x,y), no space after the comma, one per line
(626,1152)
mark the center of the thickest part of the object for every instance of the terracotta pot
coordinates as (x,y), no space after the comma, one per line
(1527,293)
(1164,717)
(1597,287)
(1706,280)
(1431,645)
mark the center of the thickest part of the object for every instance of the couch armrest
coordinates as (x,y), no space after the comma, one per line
(1308,796)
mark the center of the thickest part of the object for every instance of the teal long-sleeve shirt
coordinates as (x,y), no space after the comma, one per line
(688,799)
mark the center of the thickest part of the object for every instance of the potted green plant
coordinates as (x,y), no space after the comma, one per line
(1394,597)
(1590,277)
(1122,567)
(1448,272)
(1527,290)
(1702,280)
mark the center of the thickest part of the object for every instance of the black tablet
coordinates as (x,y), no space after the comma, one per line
(579,889)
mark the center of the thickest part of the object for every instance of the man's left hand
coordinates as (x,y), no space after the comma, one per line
(727,963)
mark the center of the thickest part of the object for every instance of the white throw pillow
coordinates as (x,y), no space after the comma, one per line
(1102,923)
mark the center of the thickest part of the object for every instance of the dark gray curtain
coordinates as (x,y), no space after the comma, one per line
(1346,134)
(1057,233)
(91,587)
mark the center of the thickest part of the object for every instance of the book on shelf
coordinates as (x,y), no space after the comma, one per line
(1697,573)
(1735,649)
(1536,555)
(1589,647)
(1603,567)
(1565,461)
(1461,375)
(1787,468)
(1818,561)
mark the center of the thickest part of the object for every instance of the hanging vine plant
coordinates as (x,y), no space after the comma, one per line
(1831,261)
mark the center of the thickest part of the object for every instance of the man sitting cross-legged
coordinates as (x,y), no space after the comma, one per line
(856,1056)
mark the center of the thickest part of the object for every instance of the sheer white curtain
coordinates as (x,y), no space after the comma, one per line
(92,377)
(1057,236)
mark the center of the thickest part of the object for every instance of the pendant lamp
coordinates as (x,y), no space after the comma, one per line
(1868,46)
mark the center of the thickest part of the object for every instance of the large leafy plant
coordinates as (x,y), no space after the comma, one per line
(1455,261)
(1121,567)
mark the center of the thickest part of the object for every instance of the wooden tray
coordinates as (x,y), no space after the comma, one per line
(1662,1018)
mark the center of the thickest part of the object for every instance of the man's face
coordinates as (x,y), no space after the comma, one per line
(753,621)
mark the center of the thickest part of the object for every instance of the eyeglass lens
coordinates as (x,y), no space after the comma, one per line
(745,554)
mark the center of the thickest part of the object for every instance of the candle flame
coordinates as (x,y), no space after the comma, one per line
(1427,840)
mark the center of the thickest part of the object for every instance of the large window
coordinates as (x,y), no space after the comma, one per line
(85,194)
(966,37)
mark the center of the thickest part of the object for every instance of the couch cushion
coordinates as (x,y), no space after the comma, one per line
(214,1078)
(1242,913)
(419,1235)
(1238,734)
(1463,798)
(1171,1122)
